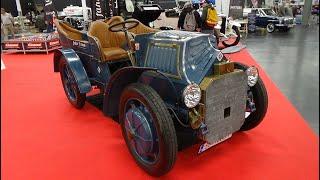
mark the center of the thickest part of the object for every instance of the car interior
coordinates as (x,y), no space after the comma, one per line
(110,43)
(68,31)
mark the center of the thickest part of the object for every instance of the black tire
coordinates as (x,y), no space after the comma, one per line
(271,27)
(76,98)
(164,126)
(261,102)
(236,29)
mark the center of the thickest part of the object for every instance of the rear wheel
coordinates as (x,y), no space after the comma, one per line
(148,129)
(234,40)
(70,86)
(260,98)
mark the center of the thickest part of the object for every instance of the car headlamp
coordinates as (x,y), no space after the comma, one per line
(192,95)
(253,76)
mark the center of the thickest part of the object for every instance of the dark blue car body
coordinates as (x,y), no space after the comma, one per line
(148,94)
(179,52)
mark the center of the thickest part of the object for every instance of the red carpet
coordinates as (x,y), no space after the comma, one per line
(44,137)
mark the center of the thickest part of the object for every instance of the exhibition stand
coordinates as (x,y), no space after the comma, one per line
(45,137)
(40,42)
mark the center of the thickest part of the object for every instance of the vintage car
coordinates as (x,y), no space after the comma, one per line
(267,18)
(165,88)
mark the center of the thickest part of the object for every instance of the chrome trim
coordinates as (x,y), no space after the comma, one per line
(184,61)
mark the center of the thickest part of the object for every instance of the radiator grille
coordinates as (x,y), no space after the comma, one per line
(225,101)
(164,58)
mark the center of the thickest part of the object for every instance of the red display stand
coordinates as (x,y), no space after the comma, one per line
(44,137)
(41,42)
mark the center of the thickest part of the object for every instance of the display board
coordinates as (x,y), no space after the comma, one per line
(32,43)
(98,9)
(112,8)
(48,6)
(49,9)
(222,6)
(236,9)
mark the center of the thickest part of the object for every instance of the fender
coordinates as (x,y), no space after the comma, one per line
(118,81)
(76,66)
(233,23)
(56,60)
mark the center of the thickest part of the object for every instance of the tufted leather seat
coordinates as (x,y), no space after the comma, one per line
(109,42)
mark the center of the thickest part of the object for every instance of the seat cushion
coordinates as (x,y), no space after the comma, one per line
(114,53)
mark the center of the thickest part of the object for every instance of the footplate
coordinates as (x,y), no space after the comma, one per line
(206,145)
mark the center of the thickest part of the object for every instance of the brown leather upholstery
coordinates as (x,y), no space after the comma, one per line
(68,31)
(114,20)
(109,42)
(142,29)
(114,53)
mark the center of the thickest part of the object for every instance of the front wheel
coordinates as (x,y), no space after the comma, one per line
(148,129)
(235,38)
(70,86)
(260,98)
(271,28)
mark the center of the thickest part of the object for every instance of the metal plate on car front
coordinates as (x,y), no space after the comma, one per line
(225,101)
(206,145)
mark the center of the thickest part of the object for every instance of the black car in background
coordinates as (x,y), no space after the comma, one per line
(267,18)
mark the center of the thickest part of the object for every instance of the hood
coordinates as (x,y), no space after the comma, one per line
(186,56)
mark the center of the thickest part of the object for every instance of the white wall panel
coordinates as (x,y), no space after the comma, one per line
(223,6)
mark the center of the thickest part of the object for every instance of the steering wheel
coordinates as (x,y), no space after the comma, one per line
(123,26)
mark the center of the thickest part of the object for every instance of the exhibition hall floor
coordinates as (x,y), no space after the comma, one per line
(44,137)
(292,61)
